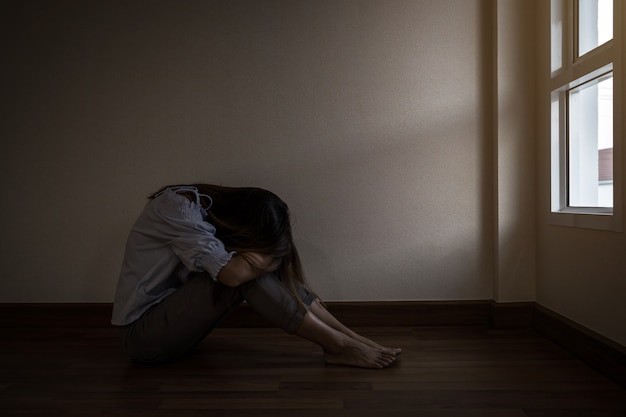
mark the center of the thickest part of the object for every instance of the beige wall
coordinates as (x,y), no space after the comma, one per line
(366,116)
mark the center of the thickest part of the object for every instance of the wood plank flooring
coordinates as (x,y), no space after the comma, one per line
(442,372)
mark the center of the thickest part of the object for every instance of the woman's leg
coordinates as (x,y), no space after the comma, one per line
(268,296)
(312,322)
(180,321)
(341,349)
(341,346)
(184,318)
(320,311)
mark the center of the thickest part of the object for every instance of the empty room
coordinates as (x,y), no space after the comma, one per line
(451,173)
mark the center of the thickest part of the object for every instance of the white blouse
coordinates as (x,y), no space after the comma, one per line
(169,241)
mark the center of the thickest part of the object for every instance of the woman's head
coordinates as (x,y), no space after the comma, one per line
(248,218)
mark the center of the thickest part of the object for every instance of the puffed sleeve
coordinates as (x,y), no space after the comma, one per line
(179,223)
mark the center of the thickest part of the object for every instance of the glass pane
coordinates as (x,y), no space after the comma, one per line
(556,17)
(590,144)
(595,24)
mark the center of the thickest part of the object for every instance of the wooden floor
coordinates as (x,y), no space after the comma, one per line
(443,372)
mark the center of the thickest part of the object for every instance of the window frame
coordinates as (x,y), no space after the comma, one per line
(574,71)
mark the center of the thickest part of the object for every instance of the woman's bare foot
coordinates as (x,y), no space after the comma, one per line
(324,315)
(368,342)
(360,355)
(343,349)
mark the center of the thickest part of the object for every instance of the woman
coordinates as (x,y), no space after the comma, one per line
(198,251)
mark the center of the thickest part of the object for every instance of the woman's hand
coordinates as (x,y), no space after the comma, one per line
(247,266)
(264,262)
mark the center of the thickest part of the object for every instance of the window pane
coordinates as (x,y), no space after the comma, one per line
(590,144)
(595,24)
(556,17)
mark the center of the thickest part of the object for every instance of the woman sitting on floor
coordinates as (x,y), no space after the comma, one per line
(198,251)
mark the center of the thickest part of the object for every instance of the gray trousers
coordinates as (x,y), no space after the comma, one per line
(184,318)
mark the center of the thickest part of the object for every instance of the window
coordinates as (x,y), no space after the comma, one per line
(585,128)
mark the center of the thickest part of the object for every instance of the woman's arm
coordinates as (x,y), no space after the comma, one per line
(175,220)
(247,266)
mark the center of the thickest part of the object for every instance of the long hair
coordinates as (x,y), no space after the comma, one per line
(250,219)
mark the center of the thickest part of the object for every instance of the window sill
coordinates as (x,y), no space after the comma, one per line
(586,219)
